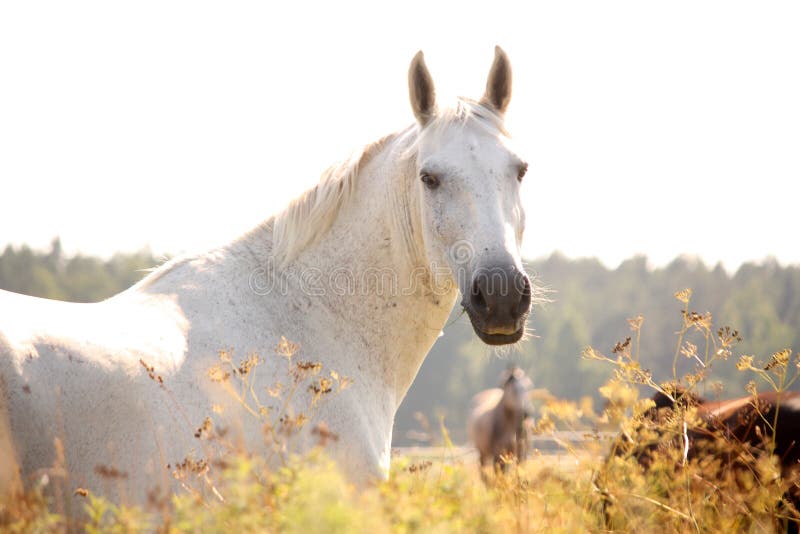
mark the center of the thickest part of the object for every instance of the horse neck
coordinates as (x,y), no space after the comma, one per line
(508,414)
(381,299)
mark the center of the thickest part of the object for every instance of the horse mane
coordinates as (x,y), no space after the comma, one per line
(311,214)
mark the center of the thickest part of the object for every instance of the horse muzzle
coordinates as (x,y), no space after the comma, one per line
(498,303)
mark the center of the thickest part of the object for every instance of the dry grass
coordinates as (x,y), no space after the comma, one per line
(724,487)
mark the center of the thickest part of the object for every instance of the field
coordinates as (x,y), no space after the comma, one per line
(545,494)
(618,468)
(429,491)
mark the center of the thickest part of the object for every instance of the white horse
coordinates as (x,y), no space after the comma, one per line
(361,271)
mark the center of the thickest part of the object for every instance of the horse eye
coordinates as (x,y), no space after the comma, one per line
(429,180)
(522,170)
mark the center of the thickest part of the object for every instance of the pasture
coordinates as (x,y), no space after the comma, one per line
(436,491)
(569,482)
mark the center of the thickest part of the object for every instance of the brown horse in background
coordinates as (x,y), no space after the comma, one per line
(745,423)
(496,422)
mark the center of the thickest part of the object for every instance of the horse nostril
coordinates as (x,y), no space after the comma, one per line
(525,297)
(478,299)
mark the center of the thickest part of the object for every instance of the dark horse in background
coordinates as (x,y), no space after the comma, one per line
(496,422)
(744,423)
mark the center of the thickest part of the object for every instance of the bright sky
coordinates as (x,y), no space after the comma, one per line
(651,127)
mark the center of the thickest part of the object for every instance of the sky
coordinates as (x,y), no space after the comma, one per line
(656,128)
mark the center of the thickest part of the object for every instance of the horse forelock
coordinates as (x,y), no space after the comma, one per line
(471,111)
(465,112)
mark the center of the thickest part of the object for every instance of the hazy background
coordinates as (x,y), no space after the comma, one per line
(653,131)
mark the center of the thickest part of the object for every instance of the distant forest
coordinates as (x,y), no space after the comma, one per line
(589,305)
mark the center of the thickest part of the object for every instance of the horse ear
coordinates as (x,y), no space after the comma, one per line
(498,86)
(421,90)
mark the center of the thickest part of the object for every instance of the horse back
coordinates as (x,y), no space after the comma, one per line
(74,389)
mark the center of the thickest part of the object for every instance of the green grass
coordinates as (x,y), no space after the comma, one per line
(310,495)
